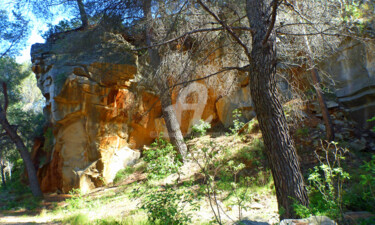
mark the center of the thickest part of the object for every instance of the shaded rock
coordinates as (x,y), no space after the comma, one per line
(314,220)
(356,217)
(332,104)
(239,100)
(353,70)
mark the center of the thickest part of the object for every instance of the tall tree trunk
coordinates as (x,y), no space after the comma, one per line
(25,155)
(82,12)
(279,146)
(2,174)
(169,114)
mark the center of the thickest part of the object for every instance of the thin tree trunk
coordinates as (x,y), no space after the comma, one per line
(2,175)
(279,146)
(169,114)
(173,126)
(330,134)
(82,12)
(25,155)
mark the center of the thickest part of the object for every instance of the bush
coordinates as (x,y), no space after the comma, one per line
(201,128)
(237,123)
(167,206)
(162,159)
(326,184)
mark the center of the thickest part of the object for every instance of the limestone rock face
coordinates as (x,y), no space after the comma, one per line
(85,78)
(100,115)
(353,70)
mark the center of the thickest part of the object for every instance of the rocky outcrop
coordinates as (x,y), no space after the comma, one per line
(353,70)
(100,115)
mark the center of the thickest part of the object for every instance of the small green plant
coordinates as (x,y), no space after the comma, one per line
(167,206)
(371,120)
(368,180)
(237,123)
(162,159)
(201,128)
(76,201)
(326,184)
(241,195)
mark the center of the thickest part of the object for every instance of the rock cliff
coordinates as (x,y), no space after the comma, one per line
(352,69)
(100,116)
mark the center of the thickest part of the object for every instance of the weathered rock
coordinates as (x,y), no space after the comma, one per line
(314,220)
(85,78)
(99,112)
(240,99)
(353,70)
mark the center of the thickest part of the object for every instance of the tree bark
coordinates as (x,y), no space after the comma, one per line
(279,146)
(2,175)
(169,114)
(82,12)
(25,155)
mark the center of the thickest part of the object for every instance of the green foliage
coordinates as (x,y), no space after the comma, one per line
(76,201)
(14,30)
(359,15)
(167,206)
(78,219)
(48,140)
(253,125)
(371,120)
(326,184)
(162,159)
(123,174)
(237,123)
(62,26)
(368,181)
(303,132)
(201,128)
(226,176)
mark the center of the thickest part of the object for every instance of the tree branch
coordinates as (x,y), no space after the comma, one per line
(229,29)
(270,28)
(189,33)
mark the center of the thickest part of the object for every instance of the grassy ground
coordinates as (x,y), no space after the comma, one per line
(121,202)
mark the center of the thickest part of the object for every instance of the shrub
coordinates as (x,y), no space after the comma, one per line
(326,184)
(201,128)
(167,206)
(162,159)
(237,123)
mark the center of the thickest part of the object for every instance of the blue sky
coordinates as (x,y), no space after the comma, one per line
(38,27)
